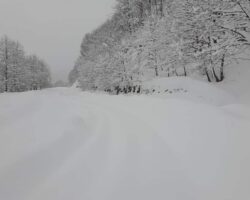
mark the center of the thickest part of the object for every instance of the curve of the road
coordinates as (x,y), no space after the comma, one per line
(61,144)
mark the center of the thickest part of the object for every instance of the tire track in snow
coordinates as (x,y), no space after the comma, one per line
(136,155)
(22,177)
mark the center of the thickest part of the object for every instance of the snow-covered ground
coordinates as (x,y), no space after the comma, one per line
(188,144)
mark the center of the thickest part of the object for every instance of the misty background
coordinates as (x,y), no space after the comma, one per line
(53,29)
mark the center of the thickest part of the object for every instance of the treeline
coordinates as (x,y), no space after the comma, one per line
(19,72)
(145,39)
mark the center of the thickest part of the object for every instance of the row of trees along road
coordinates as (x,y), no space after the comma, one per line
(160,38)
(19,72)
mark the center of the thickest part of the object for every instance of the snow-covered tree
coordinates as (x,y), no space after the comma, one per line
(145,39)
(19,72)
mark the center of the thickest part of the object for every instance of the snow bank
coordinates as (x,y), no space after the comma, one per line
(237,81)
(190,89)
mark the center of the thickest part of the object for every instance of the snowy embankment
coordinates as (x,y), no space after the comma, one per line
(187,89)
(62,144)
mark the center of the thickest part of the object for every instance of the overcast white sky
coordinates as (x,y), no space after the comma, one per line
(53,29)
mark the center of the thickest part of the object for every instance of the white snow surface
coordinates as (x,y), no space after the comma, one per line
(189,89)
(61,144)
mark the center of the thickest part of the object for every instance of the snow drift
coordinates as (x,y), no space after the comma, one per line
(187,88)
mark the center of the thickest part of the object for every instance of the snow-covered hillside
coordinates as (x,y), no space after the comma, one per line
(62,144)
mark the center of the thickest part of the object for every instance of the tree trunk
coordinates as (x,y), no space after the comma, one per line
(156,63)
(161,8)
(176,73)
(222,76)
(215,75)
(141,12)
(6,65)
(156,71)
(208,77)
(185,71)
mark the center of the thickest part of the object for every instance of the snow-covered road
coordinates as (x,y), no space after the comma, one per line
(62,144)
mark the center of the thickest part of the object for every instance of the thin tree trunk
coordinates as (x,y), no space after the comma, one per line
(185,71)
(222,76)
(161,8)
(215,75)
(154,59)
(6,65)
(156,71)
(208,77)
(150,7)
(176,73)
(141,12)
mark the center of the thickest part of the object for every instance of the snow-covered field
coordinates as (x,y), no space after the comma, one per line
(190,144)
